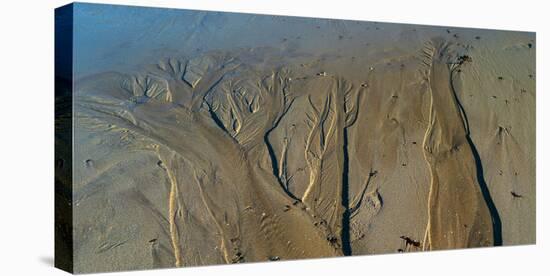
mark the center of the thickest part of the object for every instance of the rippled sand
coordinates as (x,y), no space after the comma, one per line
(214,138)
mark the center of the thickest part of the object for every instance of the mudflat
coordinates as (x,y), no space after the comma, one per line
(205,138)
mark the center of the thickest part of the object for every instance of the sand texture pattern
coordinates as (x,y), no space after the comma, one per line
(298,138)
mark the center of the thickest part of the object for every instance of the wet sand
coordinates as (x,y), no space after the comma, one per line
(207,138)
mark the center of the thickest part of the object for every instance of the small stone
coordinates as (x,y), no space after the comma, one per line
(89,162)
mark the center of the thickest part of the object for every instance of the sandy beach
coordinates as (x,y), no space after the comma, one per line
(205,138)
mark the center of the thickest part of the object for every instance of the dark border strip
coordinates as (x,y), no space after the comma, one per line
(63,228)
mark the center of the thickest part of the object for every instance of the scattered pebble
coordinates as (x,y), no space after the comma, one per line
(464,58)
(238,258)
(89,162)
(332,238)
(409,241)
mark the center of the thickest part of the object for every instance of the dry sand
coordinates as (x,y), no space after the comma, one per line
(290,138)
